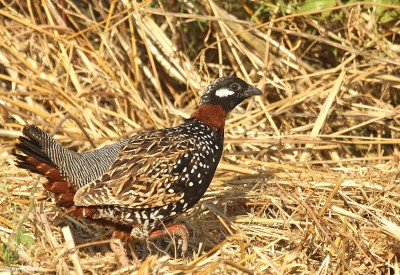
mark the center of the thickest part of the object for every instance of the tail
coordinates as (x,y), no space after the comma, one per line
(35,147)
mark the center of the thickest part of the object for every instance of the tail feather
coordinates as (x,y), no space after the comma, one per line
(42,154)
(31,145)
(30,148)
(34,158)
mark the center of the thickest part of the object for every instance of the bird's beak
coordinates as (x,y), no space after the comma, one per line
(252,91)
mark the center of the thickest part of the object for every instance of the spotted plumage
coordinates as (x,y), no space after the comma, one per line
(139,184)
(157,175)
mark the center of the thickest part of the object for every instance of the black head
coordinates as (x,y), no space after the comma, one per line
(228,92)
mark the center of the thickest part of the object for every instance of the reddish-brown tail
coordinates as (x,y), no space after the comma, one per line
(34,158)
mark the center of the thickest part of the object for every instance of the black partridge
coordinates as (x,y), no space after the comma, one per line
(140,184)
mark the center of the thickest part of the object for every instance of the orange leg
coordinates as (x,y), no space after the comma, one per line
(120,240)
(120,252)
(173,230)
(118,243)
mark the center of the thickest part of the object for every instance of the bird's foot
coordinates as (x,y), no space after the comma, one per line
(179,230)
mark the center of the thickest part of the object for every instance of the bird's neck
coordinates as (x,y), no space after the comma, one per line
(211,115)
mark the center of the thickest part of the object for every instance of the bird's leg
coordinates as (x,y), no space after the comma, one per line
(119,250)
(173,230)
(118,245)
(133,251)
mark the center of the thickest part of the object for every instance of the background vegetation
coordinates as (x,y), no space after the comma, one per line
(308,181)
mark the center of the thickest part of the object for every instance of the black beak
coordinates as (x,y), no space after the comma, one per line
(252,91)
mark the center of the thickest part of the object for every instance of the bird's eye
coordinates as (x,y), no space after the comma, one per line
(235,87)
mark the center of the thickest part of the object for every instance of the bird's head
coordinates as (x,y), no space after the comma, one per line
(228,92)
(221,97)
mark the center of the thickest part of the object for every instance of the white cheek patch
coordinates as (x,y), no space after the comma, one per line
(224,92)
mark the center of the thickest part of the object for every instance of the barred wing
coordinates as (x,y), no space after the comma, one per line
(150,171)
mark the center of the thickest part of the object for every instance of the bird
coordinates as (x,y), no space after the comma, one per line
(140,184)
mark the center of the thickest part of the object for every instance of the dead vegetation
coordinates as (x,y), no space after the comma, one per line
(308,182)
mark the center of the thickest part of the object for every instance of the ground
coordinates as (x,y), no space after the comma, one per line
(308,183)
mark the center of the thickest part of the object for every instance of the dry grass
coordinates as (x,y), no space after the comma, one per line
(308,182)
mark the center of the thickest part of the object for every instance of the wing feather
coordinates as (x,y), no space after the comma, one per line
(145,174)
